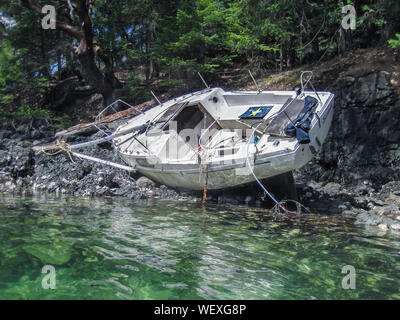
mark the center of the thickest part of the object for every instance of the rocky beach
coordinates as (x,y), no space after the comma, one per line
(357,173)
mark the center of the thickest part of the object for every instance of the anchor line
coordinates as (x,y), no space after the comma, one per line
(278,205)
(205,178)
(65,147)
(62,146)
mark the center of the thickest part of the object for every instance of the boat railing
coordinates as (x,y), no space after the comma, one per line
(99,125)
(204,132)
(304,86)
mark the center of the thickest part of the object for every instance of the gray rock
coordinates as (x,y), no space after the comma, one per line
(144,182)
(332,188)
(5,134)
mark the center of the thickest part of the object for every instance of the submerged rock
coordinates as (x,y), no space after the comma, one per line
(57,253)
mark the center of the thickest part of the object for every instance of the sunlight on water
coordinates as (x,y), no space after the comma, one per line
(121,249)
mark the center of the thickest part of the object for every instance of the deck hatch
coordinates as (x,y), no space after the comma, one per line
(256,112)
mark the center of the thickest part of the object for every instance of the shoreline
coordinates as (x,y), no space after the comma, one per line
(25,172)
(355,174)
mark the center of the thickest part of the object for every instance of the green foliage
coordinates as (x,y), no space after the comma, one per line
(170,83)
(7,98)
(133,92)
(395,43)
(27,112)
(177,37)
(10,66)
(174,39)
(62,121)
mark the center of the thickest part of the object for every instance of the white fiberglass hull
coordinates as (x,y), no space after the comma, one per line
(190,175)
(226,175)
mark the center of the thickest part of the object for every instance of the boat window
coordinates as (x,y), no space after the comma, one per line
(188,118)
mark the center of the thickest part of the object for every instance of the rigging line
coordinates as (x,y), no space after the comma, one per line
(255,82)
(278,205)
(318,32)
(91,143)
(155,97)
(248,126)
(134,137)
(126,140)
(201,137)
(202,79)
(205,172)
(326,50)
(101,140)
(129,145)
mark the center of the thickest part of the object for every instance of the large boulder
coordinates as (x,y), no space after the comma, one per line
(363,142)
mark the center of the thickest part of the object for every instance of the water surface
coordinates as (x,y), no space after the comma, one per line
(122,249)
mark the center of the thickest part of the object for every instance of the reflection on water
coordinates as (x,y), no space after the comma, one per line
(121,249)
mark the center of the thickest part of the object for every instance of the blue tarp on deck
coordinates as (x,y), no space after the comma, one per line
(300,126)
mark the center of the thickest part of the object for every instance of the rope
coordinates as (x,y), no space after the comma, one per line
(326,50)
(205,171)
(90,143)
(299,206)
(62,146)
(278,205)
(318,32)
(65,147)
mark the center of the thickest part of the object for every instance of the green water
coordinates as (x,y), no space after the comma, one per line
(121,249)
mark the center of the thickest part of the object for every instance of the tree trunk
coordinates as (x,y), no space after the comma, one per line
(316,54)
(344,41)
(109,97)
(290,53)
(103,81)
(387,32)
(45,69)
(149,40)
(59,64)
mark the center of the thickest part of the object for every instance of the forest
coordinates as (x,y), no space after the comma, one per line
(122,48)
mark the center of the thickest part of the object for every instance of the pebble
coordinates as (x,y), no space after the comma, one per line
(383,226)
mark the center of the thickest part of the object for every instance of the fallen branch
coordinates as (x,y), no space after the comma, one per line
(128,113)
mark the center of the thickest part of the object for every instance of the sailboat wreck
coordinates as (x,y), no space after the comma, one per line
(219,139)
(232,137)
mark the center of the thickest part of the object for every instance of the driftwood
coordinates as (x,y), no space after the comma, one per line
(88,127)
